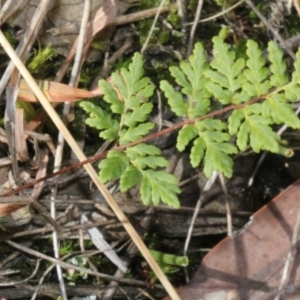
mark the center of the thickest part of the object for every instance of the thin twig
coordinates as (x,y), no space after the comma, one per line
(220,14)
(42,278)
(79,173)
(13,255)
(77,268)
(131,252)
(181,4)
(152,27)
(141,15)
(289,260)
(283,44)
(227,205)
(12,283)
(206,188)
(64,234)
(61,140)
(193,29)
(9,8)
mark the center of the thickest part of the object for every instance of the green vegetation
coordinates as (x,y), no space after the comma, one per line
(253,94)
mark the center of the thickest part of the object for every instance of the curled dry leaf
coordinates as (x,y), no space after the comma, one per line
(8,208)
(55,92)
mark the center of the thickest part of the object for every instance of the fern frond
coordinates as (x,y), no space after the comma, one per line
(142,150)
(278,65)
(186,135)
(113,166)
(213,147)
(144,159)
(292,89)
(255,95)
(175,99)
(190,76)
(280,111)
(128,96)
(255,130)
(111,97)
(159,186)
(225,75)
(101,120)
(256,72)
(138,115)
(131,134)
(130,178)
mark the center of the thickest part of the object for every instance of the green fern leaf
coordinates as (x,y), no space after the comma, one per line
(159,186)
(211,124)
(136,68)
(254,109)
(296,73)
(200,106)
(225,80)
(224,96)
(292,92)
(142,90)
(234,121)
(131,86)
(280,111)
(197,152)
(120,86)
(135,133)
(146,191)
(278,65)
(191,77)
(216,160)
(175,99)
(212,146)
(147,90)
(192,80)
(256,129)
(218,136)
(136,87)
(130,178)
(256,72)
(197,65)
(111,97)
(186,134)
(142,150)
(227,77)
(151,162)
(218,79)
(101,120)
(113,166)
(225,147)
(139,115)
(215,154)
(262,137)
(180,78)
(243,136)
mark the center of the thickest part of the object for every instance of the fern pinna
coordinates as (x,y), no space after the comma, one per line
(254,94)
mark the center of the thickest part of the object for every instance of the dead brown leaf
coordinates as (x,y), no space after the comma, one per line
(250,265)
